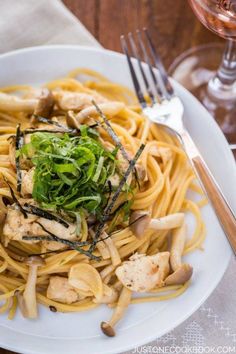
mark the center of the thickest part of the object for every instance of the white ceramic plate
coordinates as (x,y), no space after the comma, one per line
(80,333)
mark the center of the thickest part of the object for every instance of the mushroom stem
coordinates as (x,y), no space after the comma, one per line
(180,276)
(108,108)
(10,103)
(104,251)
(29,296)
(167,222)
(101,246)
(177,246)
(71,120)
(123,303)
(140,221)
(28,302)
(181,272)
(115,257)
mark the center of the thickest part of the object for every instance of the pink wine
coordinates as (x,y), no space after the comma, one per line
(217,15)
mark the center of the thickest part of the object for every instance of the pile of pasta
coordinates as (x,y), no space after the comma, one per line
(169,177)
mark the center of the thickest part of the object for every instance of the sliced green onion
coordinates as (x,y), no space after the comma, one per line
(98,169)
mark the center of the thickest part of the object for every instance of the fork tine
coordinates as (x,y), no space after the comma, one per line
(133,74)
(136,55)
(159,65)
(148,62)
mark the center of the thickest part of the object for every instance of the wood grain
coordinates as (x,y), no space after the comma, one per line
(172,25)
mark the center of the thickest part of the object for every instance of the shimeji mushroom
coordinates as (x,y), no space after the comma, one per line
(108,108)
(141,173)
(27,302)
(45,104)
(101,246)
(123,303)
(140,221)
(181,272)
(10,103)
(115,257)
(76,101)
(71,120)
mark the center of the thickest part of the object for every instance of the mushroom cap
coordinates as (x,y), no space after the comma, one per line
(139,222)
(45,103)
(141,172)
(107,329)
(35,260)
(180,276)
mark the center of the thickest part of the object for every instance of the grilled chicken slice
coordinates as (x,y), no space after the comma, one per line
(60,290)
(16,226)
(60,231)
(142,273)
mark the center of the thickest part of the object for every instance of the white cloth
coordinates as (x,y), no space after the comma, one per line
(36,22)
(25,23)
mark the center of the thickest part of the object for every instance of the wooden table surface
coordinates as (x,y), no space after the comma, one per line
(172,25)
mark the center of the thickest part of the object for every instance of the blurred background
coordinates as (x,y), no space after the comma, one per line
(172,24)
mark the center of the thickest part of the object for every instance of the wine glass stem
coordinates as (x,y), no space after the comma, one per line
(222,84)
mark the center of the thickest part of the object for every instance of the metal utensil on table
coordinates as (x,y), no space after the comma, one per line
(166,108)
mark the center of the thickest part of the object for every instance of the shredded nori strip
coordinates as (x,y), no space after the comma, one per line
(32,209)
(52,122)
(18,144)
(95,125)
(119,208)
(52,238)
(36,238)
(109,207)
(111,132)
(16,200)
(65,131)
(116,139)
(115,232)
(48,121)
(74,245)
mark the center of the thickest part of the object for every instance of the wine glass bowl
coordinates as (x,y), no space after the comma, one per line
(216,89)
(219,16)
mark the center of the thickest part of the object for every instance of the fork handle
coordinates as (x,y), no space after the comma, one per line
(215,195)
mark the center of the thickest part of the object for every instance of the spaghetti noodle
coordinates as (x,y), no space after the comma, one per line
(159,193)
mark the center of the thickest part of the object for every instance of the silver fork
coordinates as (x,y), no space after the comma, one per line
(167,109)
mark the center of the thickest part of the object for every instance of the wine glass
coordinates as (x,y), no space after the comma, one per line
(197,68)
